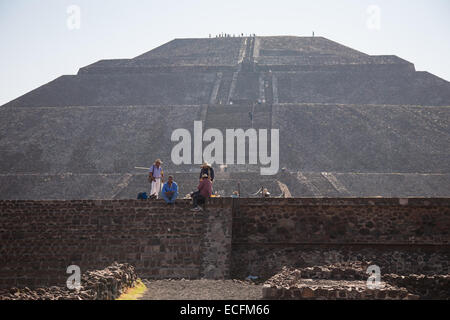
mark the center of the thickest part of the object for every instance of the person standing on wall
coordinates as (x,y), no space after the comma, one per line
(156,178)
(208,170)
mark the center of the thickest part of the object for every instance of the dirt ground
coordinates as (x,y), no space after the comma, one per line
(201,290)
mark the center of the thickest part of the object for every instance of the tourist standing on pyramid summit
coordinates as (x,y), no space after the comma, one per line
(156,178)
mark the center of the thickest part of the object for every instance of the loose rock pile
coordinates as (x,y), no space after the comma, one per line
(345,271)
(427,287)
(106,284)
(348,281)
(334,290)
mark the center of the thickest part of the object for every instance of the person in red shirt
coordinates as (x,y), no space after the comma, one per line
(203,193)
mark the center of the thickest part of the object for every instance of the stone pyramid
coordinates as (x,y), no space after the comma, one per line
(351,124)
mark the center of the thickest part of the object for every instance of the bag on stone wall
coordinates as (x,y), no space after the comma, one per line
(142,196)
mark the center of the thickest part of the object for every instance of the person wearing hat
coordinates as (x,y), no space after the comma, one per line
(208,170)
(156,177)
(203,193)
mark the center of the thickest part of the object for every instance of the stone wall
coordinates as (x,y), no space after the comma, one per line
(401,236)
(231,238)
(370,221)
(216,246)
(40,239)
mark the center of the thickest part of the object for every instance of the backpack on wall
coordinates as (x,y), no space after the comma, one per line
(142,196)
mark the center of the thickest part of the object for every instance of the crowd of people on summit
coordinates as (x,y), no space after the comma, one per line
(227,35)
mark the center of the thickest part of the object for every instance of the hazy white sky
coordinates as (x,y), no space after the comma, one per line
(37,46)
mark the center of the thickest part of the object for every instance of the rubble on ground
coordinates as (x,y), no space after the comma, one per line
(349,281)
(105,284)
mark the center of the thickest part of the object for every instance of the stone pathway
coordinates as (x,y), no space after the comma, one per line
(201,290)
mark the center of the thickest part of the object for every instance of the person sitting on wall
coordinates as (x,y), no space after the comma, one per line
(208,170)
(203,193)
(170,191)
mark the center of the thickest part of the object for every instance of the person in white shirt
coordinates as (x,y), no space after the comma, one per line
(156,178)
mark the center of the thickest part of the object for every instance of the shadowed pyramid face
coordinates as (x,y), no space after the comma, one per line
(350,124)
(240,145)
